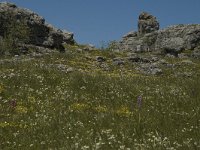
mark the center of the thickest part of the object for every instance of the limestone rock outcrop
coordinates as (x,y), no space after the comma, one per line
(147,23)
(173,39)
(41,33)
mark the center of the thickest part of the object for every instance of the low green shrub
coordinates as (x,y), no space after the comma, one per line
(16,34)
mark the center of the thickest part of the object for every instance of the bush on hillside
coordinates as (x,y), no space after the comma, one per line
(15,36)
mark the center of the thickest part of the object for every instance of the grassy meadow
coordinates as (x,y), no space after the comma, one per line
(68,101)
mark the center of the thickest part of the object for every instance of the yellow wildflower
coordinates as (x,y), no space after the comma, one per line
(79,106)
(21,109)
(7,124)
(31,99)
(124,111)
(101,109)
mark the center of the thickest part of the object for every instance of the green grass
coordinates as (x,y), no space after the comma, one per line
(90,108)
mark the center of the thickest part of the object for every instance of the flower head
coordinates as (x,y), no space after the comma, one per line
(13,103)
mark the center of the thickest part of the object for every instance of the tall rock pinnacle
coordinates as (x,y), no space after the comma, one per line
(147,23)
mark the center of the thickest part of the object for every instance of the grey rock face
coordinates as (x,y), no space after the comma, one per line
(147,23)
(41,33)
(130,34)
(176,38)
(150,69)
(138,59)
(196,53)
(118,61)
(100,59)
(171,40)
(88,48)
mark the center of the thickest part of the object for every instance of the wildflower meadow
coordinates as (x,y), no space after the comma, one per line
(46,105)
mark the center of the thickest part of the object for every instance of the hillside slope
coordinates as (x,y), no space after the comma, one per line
(88,98)
(91,100)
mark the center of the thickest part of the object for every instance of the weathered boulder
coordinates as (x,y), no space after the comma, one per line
(100,59)
(118,61)
(147,23)
(89,47)
(130,34)
(41,33)
(176,38)
(142,43)
(138,59)
(196,53)
(150,69)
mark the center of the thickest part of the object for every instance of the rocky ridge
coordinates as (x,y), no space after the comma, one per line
(41,33)
(171,40)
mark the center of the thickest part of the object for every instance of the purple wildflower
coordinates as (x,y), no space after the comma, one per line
(13,103)
(139,101)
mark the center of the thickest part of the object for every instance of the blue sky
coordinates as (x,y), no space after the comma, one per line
(94,21)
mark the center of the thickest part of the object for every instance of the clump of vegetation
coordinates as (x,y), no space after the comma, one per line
(16,34)
(112,45)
